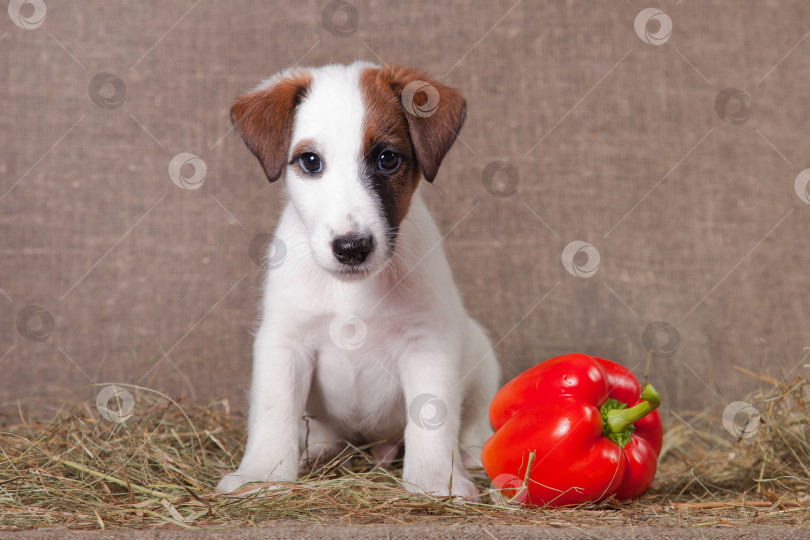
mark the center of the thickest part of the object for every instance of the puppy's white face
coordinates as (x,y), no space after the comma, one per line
(351,153)
(328,178)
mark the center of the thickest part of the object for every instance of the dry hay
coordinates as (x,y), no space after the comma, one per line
(159,468)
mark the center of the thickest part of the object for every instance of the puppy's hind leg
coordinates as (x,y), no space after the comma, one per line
(481,383)
(319,441)
(386,452)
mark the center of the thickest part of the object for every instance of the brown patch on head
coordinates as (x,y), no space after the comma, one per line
(421,139)
(432,131)
(303,146)
(264,119)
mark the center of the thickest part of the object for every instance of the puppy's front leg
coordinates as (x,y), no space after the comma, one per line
(282,375)
(432,452)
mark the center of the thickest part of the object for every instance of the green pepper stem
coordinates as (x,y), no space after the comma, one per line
(618,420)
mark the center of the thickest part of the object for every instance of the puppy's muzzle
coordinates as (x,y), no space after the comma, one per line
(351,249)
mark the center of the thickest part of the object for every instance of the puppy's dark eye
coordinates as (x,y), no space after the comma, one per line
(310,162)
(389,161)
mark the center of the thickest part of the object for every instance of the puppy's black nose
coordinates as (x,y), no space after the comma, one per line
(352,250)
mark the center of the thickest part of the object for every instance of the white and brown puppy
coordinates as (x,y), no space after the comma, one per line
(352,143)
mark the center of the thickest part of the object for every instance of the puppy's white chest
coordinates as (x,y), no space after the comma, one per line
(359,389)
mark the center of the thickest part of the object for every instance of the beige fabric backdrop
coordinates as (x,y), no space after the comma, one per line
(625,141)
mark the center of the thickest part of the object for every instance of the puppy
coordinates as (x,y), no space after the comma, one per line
(363,331)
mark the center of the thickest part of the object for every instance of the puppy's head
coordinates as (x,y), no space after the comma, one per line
(352,142)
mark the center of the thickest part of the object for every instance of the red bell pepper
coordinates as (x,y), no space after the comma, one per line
(582,426)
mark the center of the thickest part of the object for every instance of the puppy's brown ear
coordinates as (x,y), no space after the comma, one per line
(264,119)
(435,114)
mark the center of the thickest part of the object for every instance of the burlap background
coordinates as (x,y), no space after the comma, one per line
(614,141)
(468,531)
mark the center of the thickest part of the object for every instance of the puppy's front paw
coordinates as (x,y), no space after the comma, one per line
(440,487)
(233,481)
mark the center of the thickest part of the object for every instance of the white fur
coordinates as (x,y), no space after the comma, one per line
(419,338)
